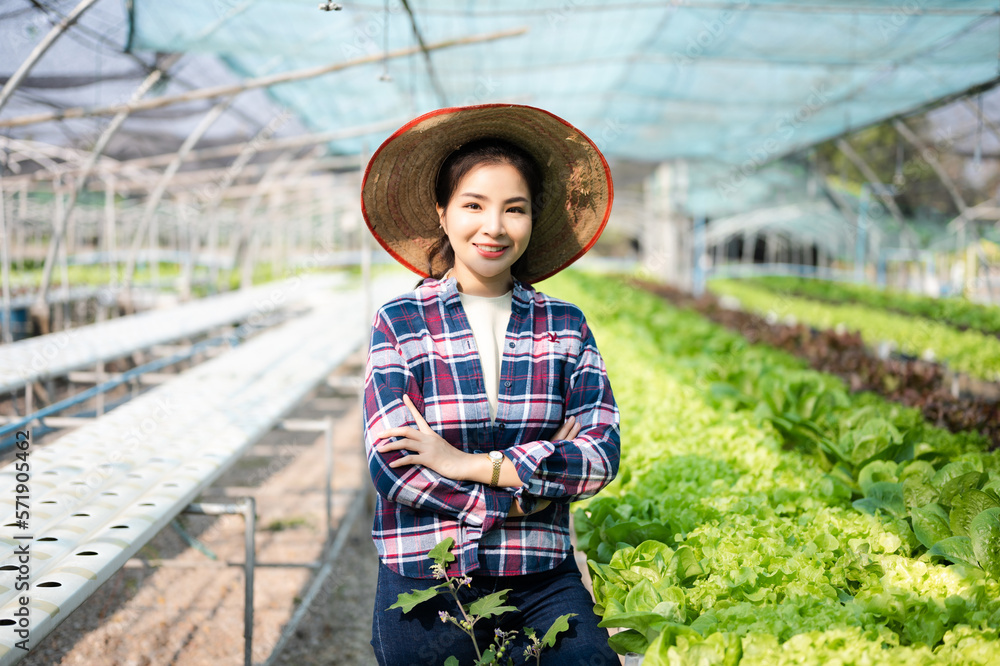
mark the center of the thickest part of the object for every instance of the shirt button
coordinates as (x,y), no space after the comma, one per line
(510,344)
(507,384)
(501,426)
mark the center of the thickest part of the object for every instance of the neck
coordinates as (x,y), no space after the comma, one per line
(478,285)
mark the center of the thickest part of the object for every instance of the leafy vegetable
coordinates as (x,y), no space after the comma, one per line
(745,465)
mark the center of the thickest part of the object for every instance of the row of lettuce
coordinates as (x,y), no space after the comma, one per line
(970,351)
(764,515)
(955,311)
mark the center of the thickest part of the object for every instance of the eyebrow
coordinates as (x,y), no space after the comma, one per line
(483,197)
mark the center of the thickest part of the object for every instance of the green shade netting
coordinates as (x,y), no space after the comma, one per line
(726,87)
(735,82)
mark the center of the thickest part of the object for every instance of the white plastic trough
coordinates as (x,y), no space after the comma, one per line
(101,492)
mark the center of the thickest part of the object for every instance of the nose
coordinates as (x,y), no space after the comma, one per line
(493,224)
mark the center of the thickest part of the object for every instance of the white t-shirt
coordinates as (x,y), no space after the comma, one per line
(489,316)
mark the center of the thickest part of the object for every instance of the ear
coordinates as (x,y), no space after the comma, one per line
(441,220)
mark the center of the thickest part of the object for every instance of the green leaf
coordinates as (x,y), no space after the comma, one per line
(406,601)
(489,657)
(441,553)
(560,625)
(956,487)
(628,641)
(451,661)
(648,622)
(874,472)
(967,506)
(642,597)
(883,496)
(917,492)
(706,623)
(490,605)
(985,534)
(685,565)
(957,549)
(919,470)
(930,524)
(874,439)
(993,484)
(951,471)
(647,550)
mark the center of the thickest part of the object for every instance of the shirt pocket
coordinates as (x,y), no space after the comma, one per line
(551,361)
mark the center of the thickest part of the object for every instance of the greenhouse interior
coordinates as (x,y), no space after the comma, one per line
(795,290)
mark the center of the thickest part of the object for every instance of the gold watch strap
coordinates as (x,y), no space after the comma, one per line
(496,472)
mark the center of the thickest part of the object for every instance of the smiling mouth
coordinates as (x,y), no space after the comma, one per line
(491,248)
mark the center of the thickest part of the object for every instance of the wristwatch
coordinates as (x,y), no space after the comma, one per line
(497,459)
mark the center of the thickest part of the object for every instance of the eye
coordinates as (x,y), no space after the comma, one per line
(516,209)
(471,204)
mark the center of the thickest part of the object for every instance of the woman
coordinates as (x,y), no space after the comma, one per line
(487,406)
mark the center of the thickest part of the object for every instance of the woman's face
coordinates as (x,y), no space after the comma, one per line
(488,221)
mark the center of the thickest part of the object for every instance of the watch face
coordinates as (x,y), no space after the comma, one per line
(495,455)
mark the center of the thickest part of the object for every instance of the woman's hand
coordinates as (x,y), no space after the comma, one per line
(517,512)
(568,430)
(426,446)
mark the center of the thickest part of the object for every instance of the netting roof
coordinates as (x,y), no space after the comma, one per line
(735,82)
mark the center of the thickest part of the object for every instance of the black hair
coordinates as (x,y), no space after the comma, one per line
(463,160)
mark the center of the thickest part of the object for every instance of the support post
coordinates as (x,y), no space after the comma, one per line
(8,335)
(328,485)
(861,237)
(698,259)
(246,507)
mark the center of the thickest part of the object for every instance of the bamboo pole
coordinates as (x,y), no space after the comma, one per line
(228,150)
(197,179)
(43,46)
(248,84)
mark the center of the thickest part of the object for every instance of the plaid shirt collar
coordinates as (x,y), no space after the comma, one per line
(449,294)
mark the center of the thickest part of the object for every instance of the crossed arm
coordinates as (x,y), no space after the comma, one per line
(580,459)
(429,449)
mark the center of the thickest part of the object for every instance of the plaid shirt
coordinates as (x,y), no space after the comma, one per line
(422,344)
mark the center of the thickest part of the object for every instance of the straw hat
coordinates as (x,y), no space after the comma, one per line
(398,199)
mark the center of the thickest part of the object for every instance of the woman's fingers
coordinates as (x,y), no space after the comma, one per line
(417,416)
(401,431)
(408,444)
(403,461)
(566,430)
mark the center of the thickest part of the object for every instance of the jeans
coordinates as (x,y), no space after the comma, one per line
(420,637)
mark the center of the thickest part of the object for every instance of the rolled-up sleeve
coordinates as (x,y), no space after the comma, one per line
(567,470)
(387,377)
